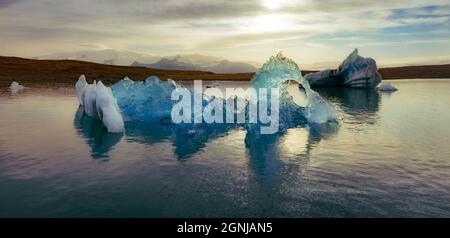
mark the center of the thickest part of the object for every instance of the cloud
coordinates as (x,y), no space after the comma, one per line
(317,45)
(5,3)
(239,40)
(217,25)
(94,46)
(419,60)
(406,42)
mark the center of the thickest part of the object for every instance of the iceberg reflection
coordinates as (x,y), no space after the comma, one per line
(95,134)
(359,105)
(297,141)
(185,144)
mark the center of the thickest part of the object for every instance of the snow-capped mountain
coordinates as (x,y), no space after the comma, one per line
(199,62)
(177,62)
(108,56)
(226,66)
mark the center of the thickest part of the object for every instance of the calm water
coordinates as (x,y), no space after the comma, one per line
(389,158)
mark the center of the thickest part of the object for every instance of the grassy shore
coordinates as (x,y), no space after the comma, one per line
(51,72)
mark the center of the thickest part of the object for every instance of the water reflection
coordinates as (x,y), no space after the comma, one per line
(185,144)
(96,135)
(361,105)
(269,153)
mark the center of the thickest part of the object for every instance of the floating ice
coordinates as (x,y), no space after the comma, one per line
(276,72)
(355,71)
(151,101)
(80,87)
(99,103)
(90,94)
(144,101)
(107,109)
(386,87)
(15,87)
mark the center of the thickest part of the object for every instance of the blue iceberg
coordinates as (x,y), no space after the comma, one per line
(276,73)
(144,101)
(152,101)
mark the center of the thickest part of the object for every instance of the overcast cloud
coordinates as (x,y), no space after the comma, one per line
(240,30)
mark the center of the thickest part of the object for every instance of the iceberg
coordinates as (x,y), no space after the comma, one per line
(99,102)
(145,101)
(95,134)
(355,71)
(277,72)
(107,109)
(15,87)
(90,95)
(386,87)
(151,101)
(80,88)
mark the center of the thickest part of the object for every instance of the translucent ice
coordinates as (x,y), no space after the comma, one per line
(90,95)
(107,109)
(144,101)
(15,87)
(151,100)
(80,87)
(276,72)
(99,102)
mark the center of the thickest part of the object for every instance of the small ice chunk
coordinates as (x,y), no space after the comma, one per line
(386,87)
(80,87)
(15,87)
(107,109)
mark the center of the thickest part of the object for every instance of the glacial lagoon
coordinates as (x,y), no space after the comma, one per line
(389,157)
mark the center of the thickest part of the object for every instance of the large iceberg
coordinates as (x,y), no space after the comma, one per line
(276,73)
(151,101)
(355,71)
(98,102)
(144,101)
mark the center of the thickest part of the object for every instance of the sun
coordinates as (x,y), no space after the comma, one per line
(271,4)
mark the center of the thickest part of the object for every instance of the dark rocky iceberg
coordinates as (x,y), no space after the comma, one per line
(355,72)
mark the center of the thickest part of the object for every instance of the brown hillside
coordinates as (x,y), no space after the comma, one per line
(67,72)
(411,72)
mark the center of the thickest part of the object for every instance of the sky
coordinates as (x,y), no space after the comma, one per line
(315,33)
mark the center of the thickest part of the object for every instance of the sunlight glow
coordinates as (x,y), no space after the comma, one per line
(268,23)
(271,4)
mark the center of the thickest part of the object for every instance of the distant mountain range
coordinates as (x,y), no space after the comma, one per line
(187,63)
(50,72)
(193,62)
(108,56)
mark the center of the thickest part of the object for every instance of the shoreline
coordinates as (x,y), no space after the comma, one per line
(64,72)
